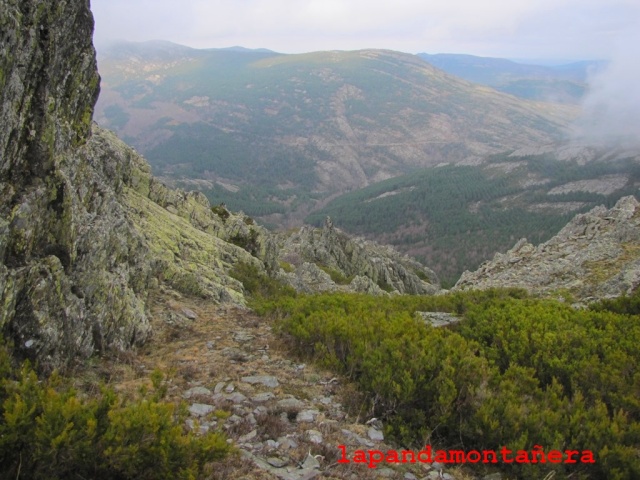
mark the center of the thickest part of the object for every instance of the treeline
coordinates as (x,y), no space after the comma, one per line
(516,372)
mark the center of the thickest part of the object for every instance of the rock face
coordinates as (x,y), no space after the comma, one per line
(73,270)
(85,230)
(596,255)
(329,260)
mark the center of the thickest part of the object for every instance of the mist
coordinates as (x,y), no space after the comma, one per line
(611,108)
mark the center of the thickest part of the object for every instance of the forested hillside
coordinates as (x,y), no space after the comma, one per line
(455,217)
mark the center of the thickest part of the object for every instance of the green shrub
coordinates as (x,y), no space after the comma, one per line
(221,211)
(50,431)
(336,275)
(515,372)
(286,266)
(247,242)
(258,284)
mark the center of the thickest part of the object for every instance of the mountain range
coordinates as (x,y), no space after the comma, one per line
(279,134)
(422,152)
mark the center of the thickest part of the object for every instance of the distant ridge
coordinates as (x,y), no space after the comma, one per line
(238,48)
(564,83)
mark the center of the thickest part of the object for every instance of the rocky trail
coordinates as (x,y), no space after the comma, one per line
(233,374)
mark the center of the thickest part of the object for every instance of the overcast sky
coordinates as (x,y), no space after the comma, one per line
(517,29)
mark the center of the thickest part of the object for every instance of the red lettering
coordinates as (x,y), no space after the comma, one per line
(587,457)
(392,457)
(406,453)
(538,452)
(375,457)
(427,452)
(570,454)
(359,456)
(456,456)
(441,456)
(537,455)
(476,456)
(343,458)
(504,451)
(555,456)
(486,454)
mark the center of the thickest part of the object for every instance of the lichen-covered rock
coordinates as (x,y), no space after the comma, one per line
(596,255)
(73,275)
(327,259)
(85,230)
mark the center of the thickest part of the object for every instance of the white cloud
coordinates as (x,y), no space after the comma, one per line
(612,107)
(552,28)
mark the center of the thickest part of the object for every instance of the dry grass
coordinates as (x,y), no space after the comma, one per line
(271,425)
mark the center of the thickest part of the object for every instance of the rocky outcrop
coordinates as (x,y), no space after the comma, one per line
(85,230)
(596,255)
(191,247)
(327,259)
(73,271)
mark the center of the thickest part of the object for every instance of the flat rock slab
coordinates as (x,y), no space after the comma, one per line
(438,319)
(249,436)
(307,416)
(200,409)
(196,391)
(277,462)
(282,473)
(314,436)
(263,397)
(266,380)
(310,463)
(386,472)
(375,435)
(243,337)
(235,397)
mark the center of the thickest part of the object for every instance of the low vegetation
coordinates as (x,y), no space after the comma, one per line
(48,430)
(516,372)
(259,285)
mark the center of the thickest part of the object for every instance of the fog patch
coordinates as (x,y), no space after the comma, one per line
(611,108)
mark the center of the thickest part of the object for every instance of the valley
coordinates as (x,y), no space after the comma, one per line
(293,138)
(454,217)
(276,135)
